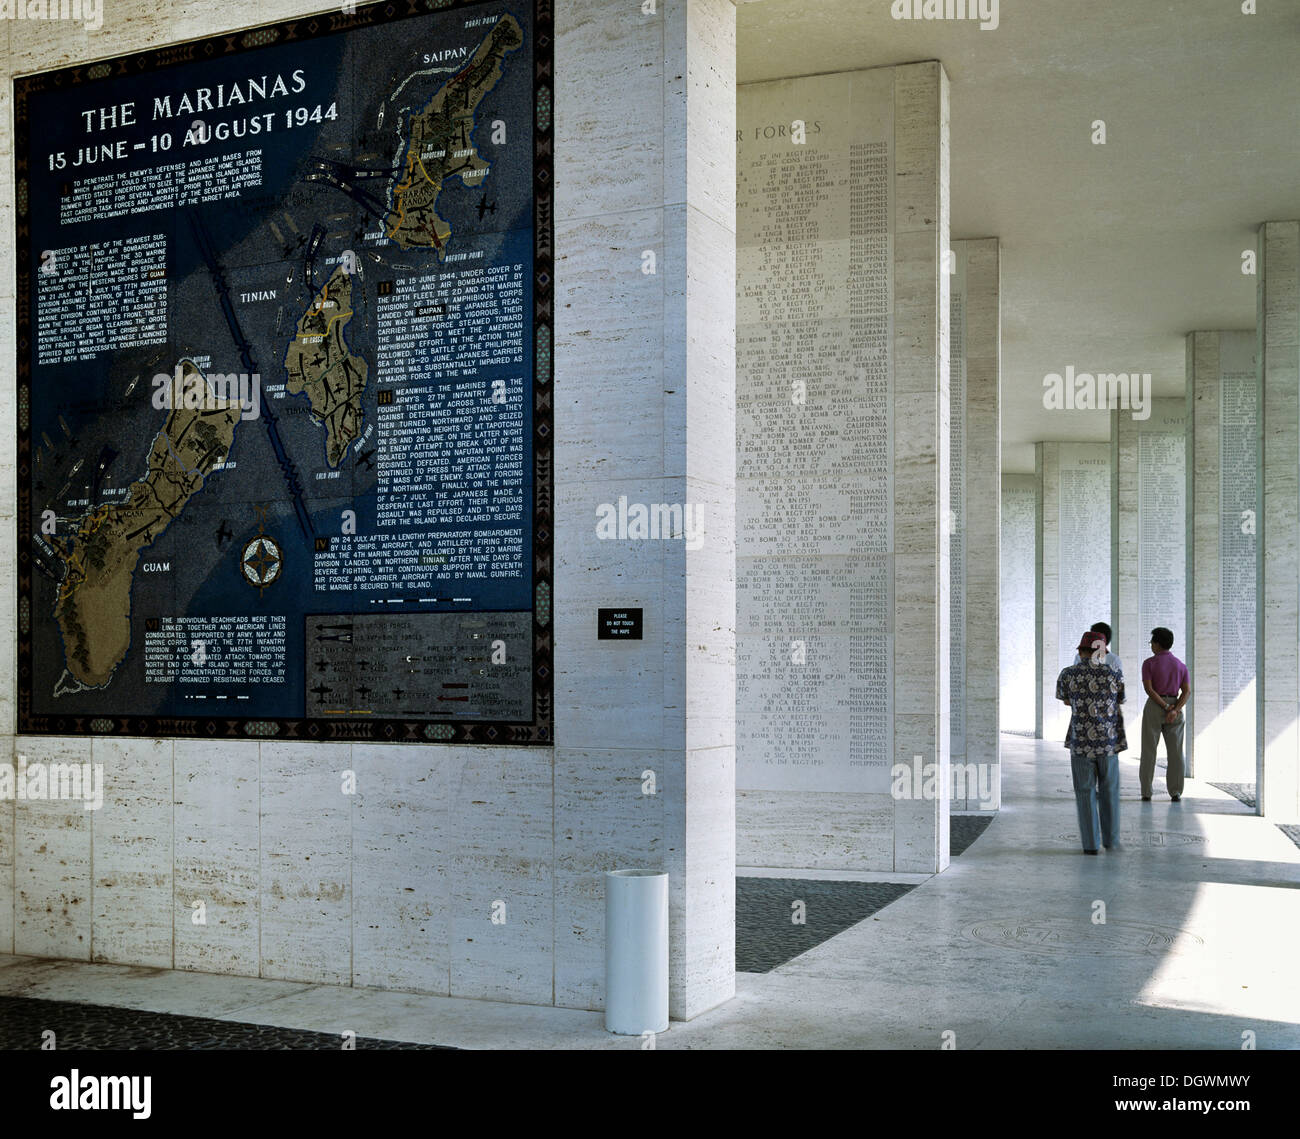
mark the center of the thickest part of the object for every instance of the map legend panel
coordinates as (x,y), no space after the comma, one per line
(438,666)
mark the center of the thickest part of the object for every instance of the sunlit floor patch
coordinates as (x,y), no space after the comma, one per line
(1246,966)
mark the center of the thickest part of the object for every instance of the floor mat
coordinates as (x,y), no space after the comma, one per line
(24,1020)
(1243,791)
(964,830)
(773,928)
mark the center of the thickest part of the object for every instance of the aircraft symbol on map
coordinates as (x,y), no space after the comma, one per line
(323,665)
(485,207)
(321,692)
(368,457)
(364,691)
(398,693)
(224,534)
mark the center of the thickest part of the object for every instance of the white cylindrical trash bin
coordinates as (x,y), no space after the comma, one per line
(636,951)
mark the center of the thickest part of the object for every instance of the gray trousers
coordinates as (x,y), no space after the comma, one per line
(1153,727)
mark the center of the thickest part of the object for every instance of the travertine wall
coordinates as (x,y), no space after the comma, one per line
(843,440)
(976,466)
(394,887)
(1222,472)
(1277,669)
(1018,687)
(1148,559)
(1073,562)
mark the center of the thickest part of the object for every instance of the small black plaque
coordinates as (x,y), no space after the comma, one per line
(618,624)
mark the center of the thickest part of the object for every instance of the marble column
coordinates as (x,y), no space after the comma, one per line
(976,468)
(699,691)
(921,486)
(1073,563)
(1047,597)
(1277,669)
(1222,456)
(645,358)
(842,454)
(1018,655)
(1148,554)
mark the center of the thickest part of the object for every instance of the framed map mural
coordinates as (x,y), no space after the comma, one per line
(284,367)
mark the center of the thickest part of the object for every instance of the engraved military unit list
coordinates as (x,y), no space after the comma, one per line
(284,359)
(815,540)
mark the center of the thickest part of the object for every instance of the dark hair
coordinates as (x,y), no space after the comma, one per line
(1163,637)
(1102,628)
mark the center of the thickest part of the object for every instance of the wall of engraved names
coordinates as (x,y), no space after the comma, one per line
(1016,583)
(1238,471)
(814,487)
(1162,529)
(1084,529)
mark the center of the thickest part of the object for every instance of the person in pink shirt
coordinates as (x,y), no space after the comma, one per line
(1168,686)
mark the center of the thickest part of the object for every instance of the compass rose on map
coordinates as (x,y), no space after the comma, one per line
(261,561)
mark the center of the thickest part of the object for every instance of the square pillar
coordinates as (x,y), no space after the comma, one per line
(1277,668)
(1149,551)
(1018,668)
(1222,446)
(975,538)
(843,482)
(1074,567)
(644,389)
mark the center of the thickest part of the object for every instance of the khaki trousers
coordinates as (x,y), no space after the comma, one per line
(1153,727)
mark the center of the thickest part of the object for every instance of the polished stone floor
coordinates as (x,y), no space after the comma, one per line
(1005,949)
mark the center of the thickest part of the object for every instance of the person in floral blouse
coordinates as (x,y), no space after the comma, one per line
(1094,691)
